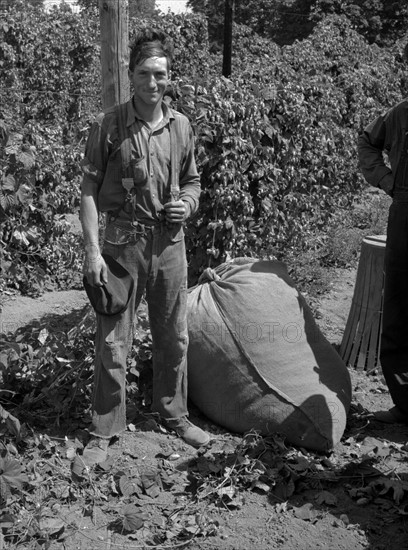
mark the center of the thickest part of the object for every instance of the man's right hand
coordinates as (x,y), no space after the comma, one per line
(95,269)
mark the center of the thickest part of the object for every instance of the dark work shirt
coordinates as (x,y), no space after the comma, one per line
(150,150)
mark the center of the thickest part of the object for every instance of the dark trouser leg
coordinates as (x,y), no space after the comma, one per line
(167,301)
(394,338)
(114,336)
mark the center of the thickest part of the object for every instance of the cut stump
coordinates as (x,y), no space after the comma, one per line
(360,346)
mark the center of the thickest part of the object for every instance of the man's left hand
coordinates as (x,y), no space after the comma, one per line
(175,211)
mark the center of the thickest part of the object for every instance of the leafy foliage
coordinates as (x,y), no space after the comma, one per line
(284,21)
(176,498)
(276,149)
(277,142)
(379,21)
(48,371)
(137,8)
(50,91)
(48,81)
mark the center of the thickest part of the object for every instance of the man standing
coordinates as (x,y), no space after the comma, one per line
(139,169)
(389,134)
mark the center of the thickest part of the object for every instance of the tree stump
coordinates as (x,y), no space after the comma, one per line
(360,347)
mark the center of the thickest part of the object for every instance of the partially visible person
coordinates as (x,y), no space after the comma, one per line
(388,134)
(139,169)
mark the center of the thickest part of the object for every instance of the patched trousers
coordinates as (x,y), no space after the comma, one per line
(156,259)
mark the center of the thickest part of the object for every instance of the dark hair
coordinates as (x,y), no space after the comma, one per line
(406,52)
(150,43)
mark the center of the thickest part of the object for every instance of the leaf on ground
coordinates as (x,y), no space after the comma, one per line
(61,491)
(230,497)
(260,486)
(10,472)
(151,483)
(70,453)
(283,490)
(78,467)
(301,465)
(51,525)
(325,497)
(128,486)
(107,464)
(361,469)
(7,521)
(397,486)
(306,512)
(228,492)
(43,335)
(12,423)
(375,446)
(150,425)
(281,507)
(345,519)
(133,519)
(191,525)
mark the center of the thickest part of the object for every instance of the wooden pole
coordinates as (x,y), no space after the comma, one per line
(114,17)
(228,19)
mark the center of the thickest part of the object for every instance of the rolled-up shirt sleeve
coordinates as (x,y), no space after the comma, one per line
(96,153)
(190,186)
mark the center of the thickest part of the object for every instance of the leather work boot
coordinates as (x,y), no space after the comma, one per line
(193,435)
(96,451)
(392,416)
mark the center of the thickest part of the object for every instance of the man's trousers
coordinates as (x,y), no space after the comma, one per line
(156,259)
(394,338)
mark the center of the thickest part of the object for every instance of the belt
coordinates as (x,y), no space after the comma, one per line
(136,226)
(135,223)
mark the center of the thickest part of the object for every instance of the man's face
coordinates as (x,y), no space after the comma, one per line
(150,79)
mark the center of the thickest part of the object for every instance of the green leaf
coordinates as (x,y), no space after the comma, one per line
(51,525)
(20,236)
(151,483)
(325,497)
(7,201)
(8,183)
(397,486)
(128,486)
(7,521)
(306,512)
(4,491)
(12,423)
(10,472)
(24,194)
(27,159)
(133,519)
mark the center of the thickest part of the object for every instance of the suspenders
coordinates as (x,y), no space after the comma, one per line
(174,161)
(128,161)
(126,154)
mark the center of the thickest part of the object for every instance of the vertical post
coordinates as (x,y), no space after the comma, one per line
(228,19)
(114,28)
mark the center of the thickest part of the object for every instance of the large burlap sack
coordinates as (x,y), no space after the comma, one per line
(257,360)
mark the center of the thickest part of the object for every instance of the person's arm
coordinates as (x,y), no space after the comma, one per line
(371,144)
(190,188)
(95,269)
(93,168)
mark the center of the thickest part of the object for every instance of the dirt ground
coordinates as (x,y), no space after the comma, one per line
(359,502)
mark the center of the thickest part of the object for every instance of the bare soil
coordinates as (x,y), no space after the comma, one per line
(359,502)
